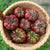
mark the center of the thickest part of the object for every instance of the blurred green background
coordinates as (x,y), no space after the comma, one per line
(3,5)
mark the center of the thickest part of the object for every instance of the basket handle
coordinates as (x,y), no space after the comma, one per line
(1,19)
(1,15)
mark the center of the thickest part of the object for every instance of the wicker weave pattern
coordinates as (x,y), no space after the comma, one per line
(43,15)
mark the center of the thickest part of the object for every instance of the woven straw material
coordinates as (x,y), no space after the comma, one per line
(42,15)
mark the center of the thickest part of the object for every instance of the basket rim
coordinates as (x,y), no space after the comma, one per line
(25,48)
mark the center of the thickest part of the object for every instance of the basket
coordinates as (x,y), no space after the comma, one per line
(42,15)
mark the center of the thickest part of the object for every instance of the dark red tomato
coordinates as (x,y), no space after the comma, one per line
(18,35)
(19,12)
(11,22)
(25,24)
(31,15)
(39,26)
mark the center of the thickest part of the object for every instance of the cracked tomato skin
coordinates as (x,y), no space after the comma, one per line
(39,26)
(31,15)
(18,36)
(10,22)
(25,24)
(19,12)
(32,37)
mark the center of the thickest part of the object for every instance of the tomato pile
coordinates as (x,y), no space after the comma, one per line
(25,26)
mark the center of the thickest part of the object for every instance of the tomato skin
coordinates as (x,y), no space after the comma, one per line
(32,37)
(39,26)
(18,35)
(27,10)
(31,15)
(25,24)
(19,12)
(11,22)
(31,42)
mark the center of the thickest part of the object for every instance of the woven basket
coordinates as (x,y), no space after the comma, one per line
(42,15)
